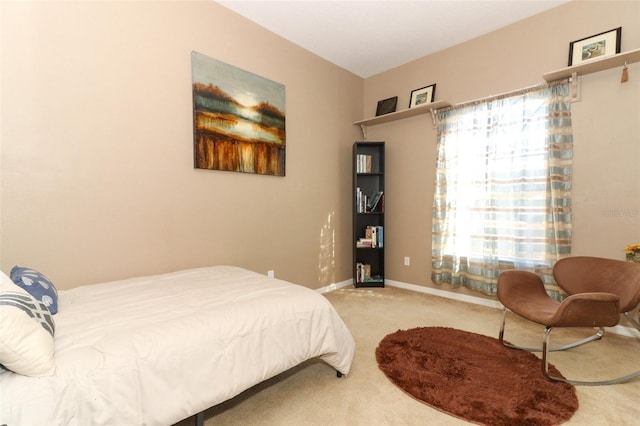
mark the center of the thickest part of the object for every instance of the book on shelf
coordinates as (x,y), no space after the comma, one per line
(373,237)
(363,272)
(359,199)
(368,233)
(369,204)
(376,201)
(363,163)
(362,201)
(364,243)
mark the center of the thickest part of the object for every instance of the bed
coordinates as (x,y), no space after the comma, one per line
(155,350)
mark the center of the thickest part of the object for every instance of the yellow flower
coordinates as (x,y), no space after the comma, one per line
(632,253)
(633,249)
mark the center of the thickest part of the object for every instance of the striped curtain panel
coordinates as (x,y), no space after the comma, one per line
(502,195)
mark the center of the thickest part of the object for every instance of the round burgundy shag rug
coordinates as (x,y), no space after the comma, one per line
(474,377)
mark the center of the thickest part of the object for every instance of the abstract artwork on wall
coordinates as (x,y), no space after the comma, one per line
(238,119)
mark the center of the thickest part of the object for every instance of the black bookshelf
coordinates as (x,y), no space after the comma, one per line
(368,214)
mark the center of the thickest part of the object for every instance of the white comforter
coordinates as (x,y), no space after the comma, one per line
(154,350)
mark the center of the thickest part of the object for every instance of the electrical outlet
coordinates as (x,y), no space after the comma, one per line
(271,273)
(407,261)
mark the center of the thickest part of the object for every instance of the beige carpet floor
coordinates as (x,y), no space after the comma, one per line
(310,394)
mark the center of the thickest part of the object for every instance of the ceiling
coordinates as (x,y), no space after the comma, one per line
(369,37)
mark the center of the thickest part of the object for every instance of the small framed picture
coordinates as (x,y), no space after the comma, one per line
(422,96)
(386,106)
(595,47)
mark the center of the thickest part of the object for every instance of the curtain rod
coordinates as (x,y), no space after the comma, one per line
(504,95)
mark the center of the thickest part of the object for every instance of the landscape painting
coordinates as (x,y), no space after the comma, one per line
(238,119)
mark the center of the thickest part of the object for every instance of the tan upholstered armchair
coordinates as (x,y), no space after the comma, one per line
(599,290)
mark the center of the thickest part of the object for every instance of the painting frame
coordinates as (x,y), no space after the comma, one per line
(422,96)
(387,106)
(239,120)
(595,47)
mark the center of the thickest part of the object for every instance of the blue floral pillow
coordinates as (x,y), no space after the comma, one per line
(36,285)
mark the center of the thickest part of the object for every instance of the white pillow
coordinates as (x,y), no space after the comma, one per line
(26,332)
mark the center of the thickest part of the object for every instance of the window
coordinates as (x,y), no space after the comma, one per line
(502,188)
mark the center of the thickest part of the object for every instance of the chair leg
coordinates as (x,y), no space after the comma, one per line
(597,336)
(504,318)
(545,367)
(632,320)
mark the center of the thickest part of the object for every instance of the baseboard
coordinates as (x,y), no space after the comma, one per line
(332,287)
(618,329)
(446,294)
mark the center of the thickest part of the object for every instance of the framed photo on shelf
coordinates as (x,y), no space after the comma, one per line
(422,96)
(386,106)
(595,47)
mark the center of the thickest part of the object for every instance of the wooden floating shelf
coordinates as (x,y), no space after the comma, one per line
(594,66)
(405,113)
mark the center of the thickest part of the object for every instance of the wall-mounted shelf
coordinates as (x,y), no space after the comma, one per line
(594,66)
(399,115)
(574,72)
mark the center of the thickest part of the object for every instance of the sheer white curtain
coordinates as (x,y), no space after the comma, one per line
(503,188)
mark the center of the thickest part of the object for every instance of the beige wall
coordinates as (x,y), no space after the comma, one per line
(97,177)
(606,191)
(96,142)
